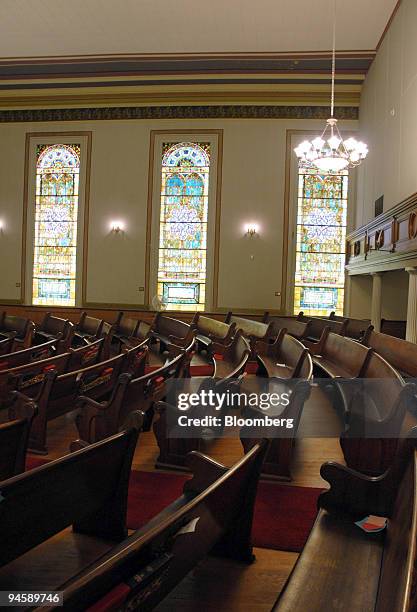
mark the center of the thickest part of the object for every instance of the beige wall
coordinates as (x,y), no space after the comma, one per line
(252,190)
(388,118)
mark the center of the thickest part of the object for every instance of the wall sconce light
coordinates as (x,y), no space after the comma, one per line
(117,226)
(1,225)
(251,229)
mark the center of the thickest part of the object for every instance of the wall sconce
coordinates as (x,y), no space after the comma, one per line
(251,229)
(117,226)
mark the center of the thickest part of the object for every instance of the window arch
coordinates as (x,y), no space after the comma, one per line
(181,283)
(56,216)
(321,242)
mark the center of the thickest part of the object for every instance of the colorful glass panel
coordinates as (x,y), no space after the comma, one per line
(183,225)
(321,239)
(56,214)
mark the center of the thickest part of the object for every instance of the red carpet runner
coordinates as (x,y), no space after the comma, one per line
(283,517)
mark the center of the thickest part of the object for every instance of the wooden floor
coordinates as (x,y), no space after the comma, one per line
(219,584)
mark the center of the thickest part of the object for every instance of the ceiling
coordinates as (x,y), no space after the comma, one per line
(50,28)
(57,54)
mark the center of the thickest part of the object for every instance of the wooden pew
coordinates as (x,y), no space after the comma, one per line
(7,343)
(214,514)
(31,375)
(28,355)
(230,360)
(130,331)
(87,329)
(168,330)
(252,330)
(318,328)
(340,357)
(58,394)
(341,567)
(86,490)
(55,328)
(355,328)
(376,417)
(393,328)
(209,330)
(22,329)
(279,455)
(294,327)
(98,420)
(401,354)
(286,357)
(14,436)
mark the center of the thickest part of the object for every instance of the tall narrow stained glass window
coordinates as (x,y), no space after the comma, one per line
(56,214)
(321,239)
(183,225)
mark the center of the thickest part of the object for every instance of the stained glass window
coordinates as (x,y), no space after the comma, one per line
(321,239)
(56,213)
(183,225)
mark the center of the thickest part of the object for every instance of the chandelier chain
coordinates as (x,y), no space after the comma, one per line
(333,59)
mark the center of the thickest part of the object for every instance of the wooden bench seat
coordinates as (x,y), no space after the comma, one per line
(318,327)
(97,420)
(209,330)
(168,330)
(294,327)
(55,328)
(230,360)
(20,328)
(252,330)
(87,329)
(340,357)
(214,513)
(57,394)
(130,331)
(87,489)
(31,375)
(355,328)
(344,569)
(286,357)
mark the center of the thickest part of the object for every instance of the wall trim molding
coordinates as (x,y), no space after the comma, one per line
(177,112)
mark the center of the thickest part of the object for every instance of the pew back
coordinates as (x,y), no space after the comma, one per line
(399,353)
(28,355)
(88,326)
(14,436)
(250,328)
(87,489)
(294,327)
(23,327)
(218,500)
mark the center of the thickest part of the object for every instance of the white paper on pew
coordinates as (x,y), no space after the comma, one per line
(189,527)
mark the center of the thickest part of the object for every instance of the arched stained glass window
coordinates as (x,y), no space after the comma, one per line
(321,240)
(183,225)
(56,214)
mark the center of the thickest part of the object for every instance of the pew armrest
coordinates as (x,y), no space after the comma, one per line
(354,493)
(205,472)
